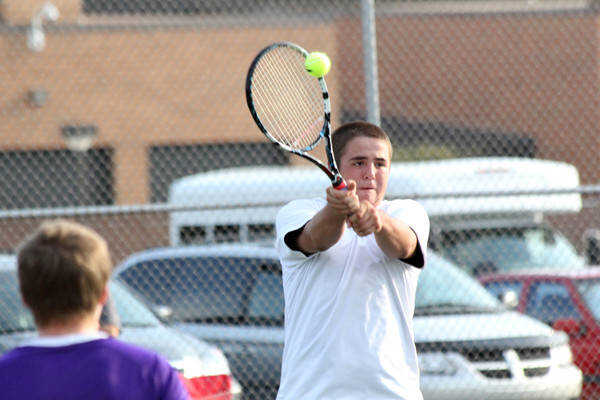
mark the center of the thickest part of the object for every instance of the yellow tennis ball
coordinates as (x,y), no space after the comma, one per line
(317,64)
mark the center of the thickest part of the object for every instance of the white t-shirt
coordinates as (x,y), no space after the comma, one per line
(348,313)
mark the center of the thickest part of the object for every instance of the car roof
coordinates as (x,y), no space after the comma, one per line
(251,250)
(584,273)
(261,250)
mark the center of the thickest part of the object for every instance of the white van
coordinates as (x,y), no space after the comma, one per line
(486,213)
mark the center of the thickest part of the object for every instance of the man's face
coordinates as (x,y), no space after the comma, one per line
(366,161)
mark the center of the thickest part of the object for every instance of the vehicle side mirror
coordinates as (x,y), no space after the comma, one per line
(163,312)
(592,246)
(509,298)
(570,326)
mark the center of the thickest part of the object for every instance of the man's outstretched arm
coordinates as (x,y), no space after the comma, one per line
(328,225)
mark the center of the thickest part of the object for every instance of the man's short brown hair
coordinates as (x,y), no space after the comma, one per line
(346,132)
(63,269)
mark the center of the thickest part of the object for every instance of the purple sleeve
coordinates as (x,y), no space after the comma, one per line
(169,381)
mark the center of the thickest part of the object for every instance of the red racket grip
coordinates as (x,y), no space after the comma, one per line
(341,186)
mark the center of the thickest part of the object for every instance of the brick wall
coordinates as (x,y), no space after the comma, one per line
(174,84)
(140,87)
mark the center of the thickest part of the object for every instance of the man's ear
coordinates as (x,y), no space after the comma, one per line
(104,296)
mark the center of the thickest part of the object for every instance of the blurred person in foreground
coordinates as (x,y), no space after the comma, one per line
(63,270)
(350,264)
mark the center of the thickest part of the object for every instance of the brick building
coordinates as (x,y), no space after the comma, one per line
(149,86)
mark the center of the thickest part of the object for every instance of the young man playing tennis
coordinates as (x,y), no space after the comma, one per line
(63,271)
(350,268)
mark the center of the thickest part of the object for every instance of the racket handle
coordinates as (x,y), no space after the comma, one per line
(340,184)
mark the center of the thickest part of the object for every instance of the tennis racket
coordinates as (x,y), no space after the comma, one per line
(290,106)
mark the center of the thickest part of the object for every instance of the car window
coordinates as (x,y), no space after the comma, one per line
(14,317)
(199,289)
(499,288)
(590,292)
(549,301)
(266,300)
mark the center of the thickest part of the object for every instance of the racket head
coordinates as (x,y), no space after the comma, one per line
(290,106)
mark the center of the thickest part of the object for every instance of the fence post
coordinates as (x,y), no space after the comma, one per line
(369,39)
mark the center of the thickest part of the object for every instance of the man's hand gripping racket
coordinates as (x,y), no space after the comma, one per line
(290,106)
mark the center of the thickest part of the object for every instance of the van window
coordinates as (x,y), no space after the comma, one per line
(192,235)
(260,232)
(445,289)
(219,290)
(227,233)
(202,234)
(507,249)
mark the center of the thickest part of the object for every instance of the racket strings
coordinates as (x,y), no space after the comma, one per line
(289,125)
(288,118)
(287,99)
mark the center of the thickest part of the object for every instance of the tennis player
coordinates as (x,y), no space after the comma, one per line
(63,271)
(350,266)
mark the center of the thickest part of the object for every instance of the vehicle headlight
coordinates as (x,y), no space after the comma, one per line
(436,364)
(561,355)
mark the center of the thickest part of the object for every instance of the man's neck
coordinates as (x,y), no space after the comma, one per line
(85,325)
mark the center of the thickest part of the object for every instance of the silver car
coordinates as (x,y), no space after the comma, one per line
(469,344)
(201,364)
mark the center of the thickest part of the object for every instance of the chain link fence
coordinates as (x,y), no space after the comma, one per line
(130,117)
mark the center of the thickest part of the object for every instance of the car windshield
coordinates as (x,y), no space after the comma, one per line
(509,249)
(14,317)
(132,311)
(590,292)
(444,288)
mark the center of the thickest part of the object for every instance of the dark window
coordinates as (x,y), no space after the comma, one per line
(192,235)
(151,7)
(168,163)
(227,233)
(199,7)
(261,232)
(549,301)
(56,178)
